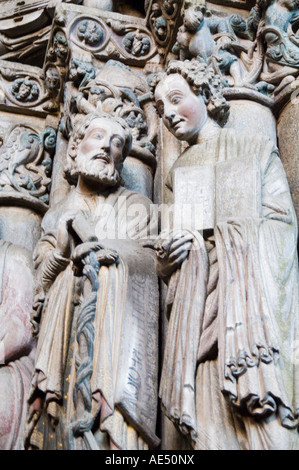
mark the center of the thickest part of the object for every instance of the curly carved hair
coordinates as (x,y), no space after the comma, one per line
(203,81)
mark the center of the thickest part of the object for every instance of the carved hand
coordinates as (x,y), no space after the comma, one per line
(224,42)
(82,250)
(104,256)
(107,256)
(172,250)
(63,246)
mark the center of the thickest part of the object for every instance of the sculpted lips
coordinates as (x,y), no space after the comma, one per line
(102,156)
(175,123)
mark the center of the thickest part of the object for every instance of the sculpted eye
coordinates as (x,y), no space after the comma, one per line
(175,99)
(118,143)
(99,135)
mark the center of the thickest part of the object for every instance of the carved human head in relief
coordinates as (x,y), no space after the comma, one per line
(99,144)
(193,19)
(188,95)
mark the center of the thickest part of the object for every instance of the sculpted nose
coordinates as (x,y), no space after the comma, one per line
(105,143)
(169,113)
(171,117)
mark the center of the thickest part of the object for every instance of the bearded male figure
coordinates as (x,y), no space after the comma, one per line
(230,379)
(95,381)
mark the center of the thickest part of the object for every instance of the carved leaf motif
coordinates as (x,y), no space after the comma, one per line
(117,27)
(90,32)
(25,89)
(113,52)
(21,167)
(137,44)
(58,52)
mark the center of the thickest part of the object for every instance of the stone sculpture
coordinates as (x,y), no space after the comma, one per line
(117,89)
(17,346)
(25,168)
(209,39)
(26,163)
(259,53)
(226,256)
(107,5)
(95,380)
(229,377)
(275,23)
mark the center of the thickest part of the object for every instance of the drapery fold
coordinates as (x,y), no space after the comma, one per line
(125,324)
(252,314)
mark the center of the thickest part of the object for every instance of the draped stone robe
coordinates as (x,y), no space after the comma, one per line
(124,378)
(17,346)
(230,359)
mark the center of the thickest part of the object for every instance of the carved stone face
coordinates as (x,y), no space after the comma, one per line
(183,113)
(52,79)
(101,149)
(24,91)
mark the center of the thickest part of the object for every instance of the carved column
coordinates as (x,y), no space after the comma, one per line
(258,85)
(288,140)
(28,137)
(60,61)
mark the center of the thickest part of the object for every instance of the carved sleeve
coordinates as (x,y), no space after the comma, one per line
(47,261)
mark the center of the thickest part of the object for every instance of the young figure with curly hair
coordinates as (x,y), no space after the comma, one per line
(229,379)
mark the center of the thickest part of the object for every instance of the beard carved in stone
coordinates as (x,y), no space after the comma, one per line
(99,155)
(93,238)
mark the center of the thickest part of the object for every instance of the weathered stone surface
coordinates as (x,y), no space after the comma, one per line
(104,366)
(219,337)
(226,248)
(17,344)
(287,132)
(248,115)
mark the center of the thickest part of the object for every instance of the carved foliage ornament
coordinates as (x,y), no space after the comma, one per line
(162,17)
(26,163)
(275,24)
(58,51)
(25,90)
(116,90)
(112,39)
(56,65)
(22,89)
